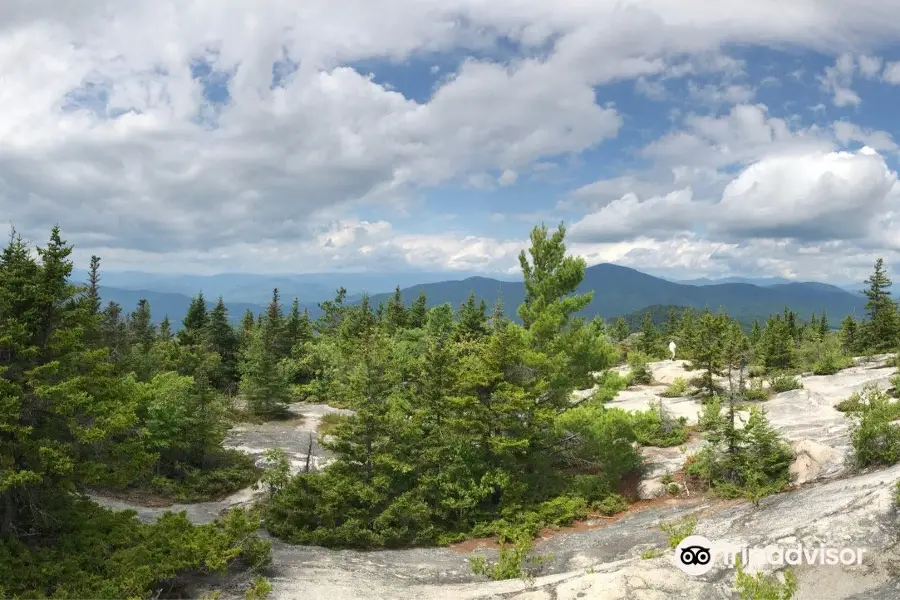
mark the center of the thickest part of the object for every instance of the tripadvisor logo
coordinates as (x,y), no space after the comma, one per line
(695,555)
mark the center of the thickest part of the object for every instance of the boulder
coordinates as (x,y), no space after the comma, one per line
(815,461)
(650,489)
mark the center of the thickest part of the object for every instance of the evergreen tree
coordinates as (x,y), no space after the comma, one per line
(649,342)
(165,329)
(620,330)
(194,323)
(498,315)
(332,313)
(395,317)
(824,328)
(755,333)
(298,328)
(263,381)
(472,319)
(849,340)
(880,332)
(708,348)
(222,339)
(93,291)
(68,418)
(140,326)
(275,319)
(418,312)
(776,345)
(114,332)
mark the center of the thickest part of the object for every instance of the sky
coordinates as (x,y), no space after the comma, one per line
(698,138)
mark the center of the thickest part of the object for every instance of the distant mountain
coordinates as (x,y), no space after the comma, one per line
(166,303)
(621,290)
(257,289)
(760,281)
(617,291)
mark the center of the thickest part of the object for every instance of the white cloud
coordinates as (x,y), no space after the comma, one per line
(845,132)
(629,216)
(747,133)
(107,130)
(822,196)
(892,73)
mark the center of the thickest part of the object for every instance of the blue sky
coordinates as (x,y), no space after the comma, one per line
(712,140)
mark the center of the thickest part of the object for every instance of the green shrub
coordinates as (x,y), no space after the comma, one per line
(751,463)
(756,371)
(98,553)
(875,435)
(639,370)
(259,589)
(229,471)
(850,405)
(764,587)
(756,392)
(652,553)
(612,504)
(515,561)
(658,430)
(710,416)
(678,530)
(676,389)
(784,383)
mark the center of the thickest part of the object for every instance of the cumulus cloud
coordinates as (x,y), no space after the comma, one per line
(816,197)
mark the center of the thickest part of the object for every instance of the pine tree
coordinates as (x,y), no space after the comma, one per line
(418,312)
(776,345)
(824,328)
(550,279)
(498,314)
(332,313)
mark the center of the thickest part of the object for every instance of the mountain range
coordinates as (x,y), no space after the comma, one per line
(617,291)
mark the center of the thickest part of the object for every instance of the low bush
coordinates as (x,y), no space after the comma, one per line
(655,427)
(756,392)
(762,586)
(228,472)
(678,530)
(875,433)
(610,505)
(639,369)
(784,383)
(676,389)
(98,553)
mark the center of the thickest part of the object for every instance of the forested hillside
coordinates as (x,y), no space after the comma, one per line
(463,422)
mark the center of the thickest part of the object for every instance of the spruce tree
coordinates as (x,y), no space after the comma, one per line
(69,418)
(649,342)
(471,319)
(880,332)
(395,317)
(222,339)
(165,329)
(263,382)
(140,326)
(93,291)
(824,327)
(849,340)
(194,323)
(708,348)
